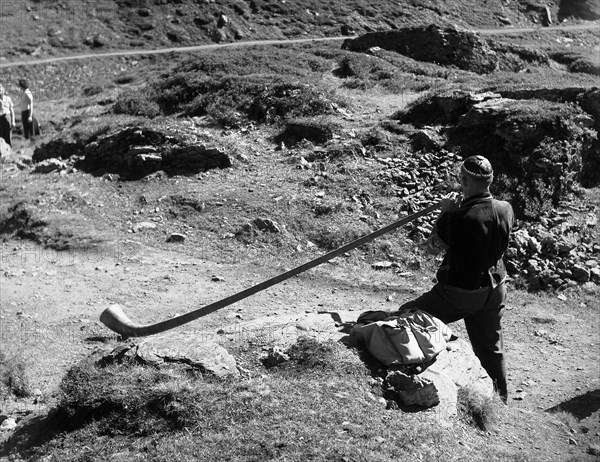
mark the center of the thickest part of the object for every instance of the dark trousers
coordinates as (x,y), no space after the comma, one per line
(5,129)
(482,310)
(27,125)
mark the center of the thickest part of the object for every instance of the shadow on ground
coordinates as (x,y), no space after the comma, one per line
(581,406)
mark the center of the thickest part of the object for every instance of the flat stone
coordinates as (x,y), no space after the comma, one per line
(187,349)
(50,165)
(142,226)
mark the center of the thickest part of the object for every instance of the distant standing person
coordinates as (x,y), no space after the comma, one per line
(27,118)
(7,116)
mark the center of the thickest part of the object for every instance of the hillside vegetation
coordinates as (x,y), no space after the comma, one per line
(40,28)
(166,182)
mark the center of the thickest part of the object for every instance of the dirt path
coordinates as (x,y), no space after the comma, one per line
(194,48)
(51,301)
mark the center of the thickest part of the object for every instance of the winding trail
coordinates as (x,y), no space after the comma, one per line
(207,47)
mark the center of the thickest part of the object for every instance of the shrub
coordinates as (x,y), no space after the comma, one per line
(93,90)
(333,237)
(477,409)
(578,62)
(124,79)
(317,130)
(585,66)
(136,104)
(13,377)
(129,399)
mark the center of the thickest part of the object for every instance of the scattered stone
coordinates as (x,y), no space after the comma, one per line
(266,224)
(8,424)
(143,226)
(383,265)
(176,237)
(594,449)
(275,357)
(99,41)
(222,21)
(347,30)
(580,273)
(50,165)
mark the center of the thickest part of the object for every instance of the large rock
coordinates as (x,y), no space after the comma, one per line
(130,152)
(460,364)
(542,147)
(443,108)
(446,47)
(427,389)
(583,9)
(437,385)
(185,349)
(135,152)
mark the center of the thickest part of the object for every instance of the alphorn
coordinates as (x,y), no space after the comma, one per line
(115,319)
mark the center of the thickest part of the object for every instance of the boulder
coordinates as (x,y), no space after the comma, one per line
(546,146)
(462,366)
(437,384)
(445,46)
(427,389)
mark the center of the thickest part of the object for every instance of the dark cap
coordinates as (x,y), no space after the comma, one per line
(477,167)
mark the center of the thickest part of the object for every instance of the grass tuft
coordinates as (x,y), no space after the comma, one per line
(13,377)
(478,409)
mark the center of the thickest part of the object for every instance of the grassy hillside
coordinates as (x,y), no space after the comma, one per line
(40,28)
(320,145)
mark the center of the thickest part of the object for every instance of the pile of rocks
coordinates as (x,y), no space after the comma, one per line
(540,149)
(555,253)
(552,252)
(135,152)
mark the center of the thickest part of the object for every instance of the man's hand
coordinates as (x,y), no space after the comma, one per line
(450,202)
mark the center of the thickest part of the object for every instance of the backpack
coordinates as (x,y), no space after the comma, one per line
(410,337)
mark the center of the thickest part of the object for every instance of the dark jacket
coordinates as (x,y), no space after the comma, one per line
(477,235)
